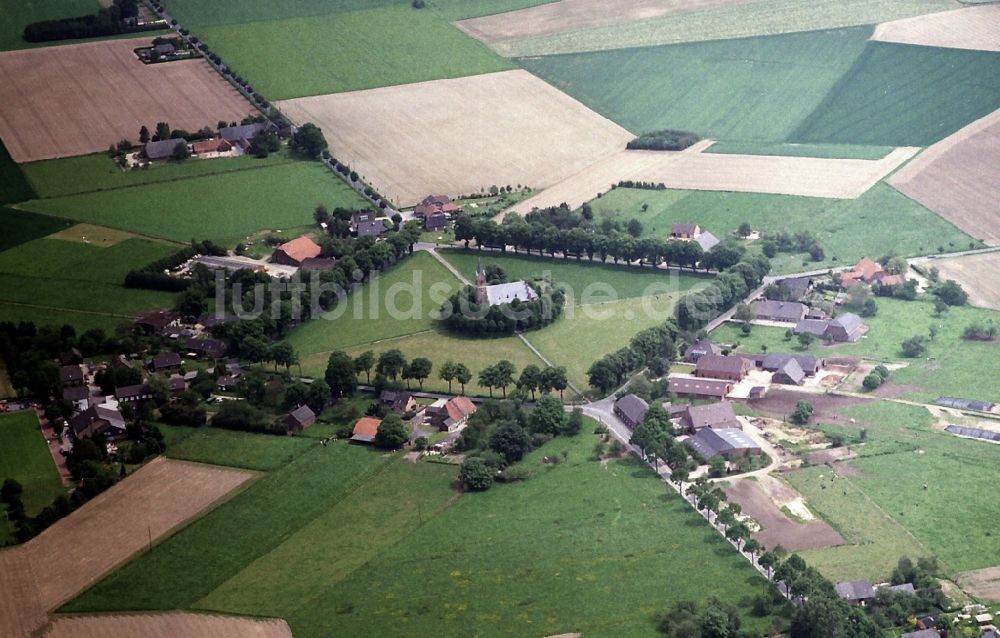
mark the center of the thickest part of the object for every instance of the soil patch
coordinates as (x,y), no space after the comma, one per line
(779,404)
(167,626)
(981,583)
(778,529)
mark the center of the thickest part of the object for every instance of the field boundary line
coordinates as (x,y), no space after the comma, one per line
(73,310)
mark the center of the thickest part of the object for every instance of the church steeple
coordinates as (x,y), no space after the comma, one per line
(481,295)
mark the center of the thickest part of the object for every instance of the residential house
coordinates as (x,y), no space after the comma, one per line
(398,401)
(374,228)
(795,288)
(790,373)
(88,423)
(730,368)
(165,49)
(365,429)
(784,311)
(206,348)
(631,409)
(292,253)
(684,231)
(166,362)
(226,383)
(177,385)
(300,418)
(435,205)
(154,321)
(774,361)
(453,415)
(718,416)
(436,221)
(845,328)
(131,393)
(71,375)
(214,145)
(499,294)
(856,592)
(728,443)
(695,388)
(78,395)
(162,149)
(241,136)
(699,349)
(865,271)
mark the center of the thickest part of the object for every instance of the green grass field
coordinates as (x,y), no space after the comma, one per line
(225,207)
(904,95)
(749,89)
(236,449)
(18,14)
(832,151)
(26,459)
(349,51)
(20,227)
(463,9)
(13,185)
(740,20)
(890,221)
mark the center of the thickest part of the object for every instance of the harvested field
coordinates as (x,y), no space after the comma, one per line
(167,626)
(55,565)
(778,529)
(77,99)
(955,178)
(981,583)
(693,170)
(969,28)
(461,135)
(978,275)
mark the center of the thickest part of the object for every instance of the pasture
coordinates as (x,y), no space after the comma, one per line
(829,151)
(891,222)
(82,98)
(967,28)
(977,274)
(460,136)
(904,95)
(20,227)
(26,459)
(246,450)
(13,185)
(349,51)
(18,14)
(225,207)
(739,20)
(953,178)
(747,89)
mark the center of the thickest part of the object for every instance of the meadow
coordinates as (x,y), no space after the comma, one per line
(746,89)
(831,151)
(26,459)
(18,14)
(905,95)
(246,450)
(891,222)
(20,227)
(349,51)
(225,207)
(13,185)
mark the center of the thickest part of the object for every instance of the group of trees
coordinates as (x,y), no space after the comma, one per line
(461,313)
(783,242)
(653,347)
(153,276)
(665,140)
(117,18)
(655,438)
(740,272)
(875,378)
(308,141)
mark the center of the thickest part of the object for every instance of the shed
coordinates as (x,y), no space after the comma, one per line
(300,418)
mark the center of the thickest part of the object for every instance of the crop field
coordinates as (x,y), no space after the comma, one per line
(225,207)
(977,274)
(461,136)
(904,95)
(953,178)
(18,14)
(167,626)
(262,452)
(953,367)
(117,523)
(968,28)
(81,98)
(26,459)
(829,151)
(891,222)
(748,19)
(349,51)
(451,564)
(747,89)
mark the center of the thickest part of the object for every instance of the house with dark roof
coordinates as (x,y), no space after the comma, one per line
(435,205)
(177,385)
(436,221)
(227,382)
(699,349)
(719,416)
(696,388)
(300,418)
(165,362)
(785,311)
(815,327)
(790,373)
(856,592)
(729,368)
(206,348)
(162,149)
(398,401)
(365,429)
(130,393)
(631,410)
(845,329)
(451,416)
(154,321)
(795,288)
(728,443)
(78,395)
(684,231)
(241,136)
(373,228)
(294,252)
(70,357)
(774,361)
(71,375)
(88,423)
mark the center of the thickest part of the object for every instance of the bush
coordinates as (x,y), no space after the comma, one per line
(872,381)
(914,346)
(803,412)
(476,475)
(980,332)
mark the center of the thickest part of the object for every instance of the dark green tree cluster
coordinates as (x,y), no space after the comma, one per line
(653,347)
(308,141)
(739,273)
(110,20)
(460,313)
(951,293)
(878,376)
(655,437)
(153,276)
(712,619)
(785,242)
(663,140)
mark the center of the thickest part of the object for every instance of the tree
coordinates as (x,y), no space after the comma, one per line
(162,131)
(341,375)
(745,230)
(555,378)
(11,490)
(318,395)
(391,433)
(806,340)
(181,151)
(308,141)
(488,378)
(530,378)
(752,547)
(463,375)
(419,369)
(548,416)
(159,388)
(447,372)
(914,347)
(743,313)
(716,466)
(951,293)
(504,375)
(872,381)
(363,363)
(573,423)
(768,560)
(510,441)
(476,475)
(390,364)
(634,228)
(940,306)
(143,134)
(803,411)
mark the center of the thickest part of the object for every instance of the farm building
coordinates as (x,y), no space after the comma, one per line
(790,373)
(815,327)
(795,288)
(684,231)
(165,362)
(241,136)
(695,388)
(727,443)
(214,145)
(714,415)
(435,205)
(867,271)
(716,366)
(451,416)
(206,348)
(154,321)
(177,385)
(973,433)
(397,400)
(293,253)
(786,311)
(856,592)
(162,149)
(707,241)
(965,404)
(699,349)
(845,328)
(631,409)
(300,418)
(365,429)
(498,294)
(774,361)
(78,395)
(71,375)
(130,393)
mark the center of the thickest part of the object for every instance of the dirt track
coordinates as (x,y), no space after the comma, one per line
(81,98)
(778,528)
(975,28)
(52,567)
(956,178)
(170,625)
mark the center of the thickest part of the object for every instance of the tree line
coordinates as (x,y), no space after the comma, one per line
(462,313)
(112,20)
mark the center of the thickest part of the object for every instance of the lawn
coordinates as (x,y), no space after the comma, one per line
(890,221)
(97,172)
(953,367)
(905,95)
(831,151)
(26,459)
(748,89)
(18,14)
(349,51)
(225,207)
(236,449)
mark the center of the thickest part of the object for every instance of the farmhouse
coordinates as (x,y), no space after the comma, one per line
(776,360)
(728,443)
(97,420)
(696,388)
(397,400)
(241,136)
(373,228)
(785,311)
(499,294)
(684,231)
(845,328)
(300,418)
(365,429)
(815,327)
(856,592)
(867,271)
(294,252)
(795,288)
(206,348)
(434,205)
(631,409)
(451,416)
(154,321)
(71,375)
(699,349)
(717,416)
(78,395)
(214,145)
(790,373)
(721,367)
(165,362)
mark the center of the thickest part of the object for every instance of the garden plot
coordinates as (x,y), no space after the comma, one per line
(969,28)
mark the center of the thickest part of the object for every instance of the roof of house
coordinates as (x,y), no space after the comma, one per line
(790,372)
(165,48)
(113,417)
(700,387)
(780,310)
(178,383)
(371,228)
(132,391)
(707,241)
(80,422)
(302,415)
(923,633)
(776,360)
(699,349)
(158,319)
(459,407)
(633,407)
(713,415)
(166,360)
(318,263)
(76,393)
(890,280)
(684,229)
(366,428)
(855,590)
(437,220)
(709,442)
(214,145)
(906,588)
(796,287)
(866,268)
(397,399)
(302,247)
(162,149)
(244,131)
(71,373)
(713,364)
(212,347)
(439,200)
(815,327)
(849,322)
(506,293)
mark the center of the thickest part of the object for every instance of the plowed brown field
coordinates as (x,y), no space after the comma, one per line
(173,625)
